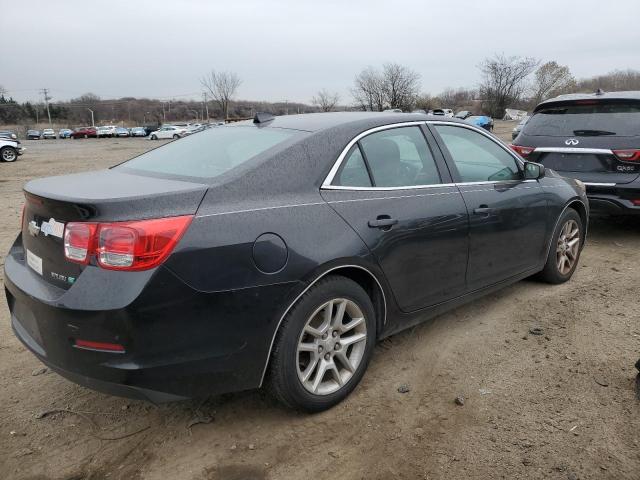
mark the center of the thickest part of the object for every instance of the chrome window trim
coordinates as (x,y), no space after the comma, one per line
(377,189)
(326,184)
(597,151)
(384,304)
(596,184)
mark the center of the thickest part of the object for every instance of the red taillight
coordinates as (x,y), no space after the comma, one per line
(103,346)
(631,155)
(522,151)
(137,245)
(636,202)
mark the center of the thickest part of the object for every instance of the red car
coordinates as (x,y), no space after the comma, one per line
(84,132)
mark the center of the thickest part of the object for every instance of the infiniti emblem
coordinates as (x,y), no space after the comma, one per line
(571,141)
(34,229)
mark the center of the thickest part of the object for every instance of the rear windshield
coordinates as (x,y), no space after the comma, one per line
(601,119)
(210,153)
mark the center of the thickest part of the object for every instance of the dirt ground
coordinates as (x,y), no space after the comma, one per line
(561,405)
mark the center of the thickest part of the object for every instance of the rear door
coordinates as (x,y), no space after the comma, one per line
(591,140)
(508,215)
(398,196)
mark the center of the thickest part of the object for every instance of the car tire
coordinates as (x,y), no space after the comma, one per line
(153,137)
(176,137)
(298,354)
(564,255)
(8,154)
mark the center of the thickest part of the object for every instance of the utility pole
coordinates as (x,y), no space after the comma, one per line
(206,105)
(45,92)
(164,116)
(93,123)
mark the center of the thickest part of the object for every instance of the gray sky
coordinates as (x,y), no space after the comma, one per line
(289,49)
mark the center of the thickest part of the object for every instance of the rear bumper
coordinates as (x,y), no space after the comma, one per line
(614,199)
(179,343)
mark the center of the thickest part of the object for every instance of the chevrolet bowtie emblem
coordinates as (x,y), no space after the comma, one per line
(34,229)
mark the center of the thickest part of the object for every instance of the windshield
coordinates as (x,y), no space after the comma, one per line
(582,120)
(210,153)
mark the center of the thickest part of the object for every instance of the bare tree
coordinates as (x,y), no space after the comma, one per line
(550,80)
(222,87)
(368,90)
(395,87)
(504,81)
(456,98)
(400,85)
(325,101)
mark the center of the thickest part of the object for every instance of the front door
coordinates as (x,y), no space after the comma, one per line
(507,214)
(391,190)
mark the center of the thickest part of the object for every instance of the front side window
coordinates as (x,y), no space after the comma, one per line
(476,157)
(400,157)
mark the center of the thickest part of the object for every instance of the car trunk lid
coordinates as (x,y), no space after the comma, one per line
(103,196)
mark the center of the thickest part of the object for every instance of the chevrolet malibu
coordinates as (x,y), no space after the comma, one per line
(277,252)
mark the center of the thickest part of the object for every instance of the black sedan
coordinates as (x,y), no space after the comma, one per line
(594,137)
(278,252)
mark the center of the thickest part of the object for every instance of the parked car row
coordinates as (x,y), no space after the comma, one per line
(154,132)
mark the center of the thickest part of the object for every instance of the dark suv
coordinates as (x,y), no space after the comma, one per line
(594,138)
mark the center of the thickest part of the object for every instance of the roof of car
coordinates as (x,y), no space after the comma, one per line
(315,122)
(599,95)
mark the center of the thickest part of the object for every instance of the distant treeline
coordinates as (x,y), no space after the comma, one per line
(393,87)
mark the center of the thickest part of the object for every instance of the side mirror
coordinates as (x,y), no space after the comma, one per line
(533,171)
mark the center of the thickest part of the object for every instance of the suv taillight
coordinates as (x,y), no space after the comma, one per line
(522,151)
(632,155)
(136,245)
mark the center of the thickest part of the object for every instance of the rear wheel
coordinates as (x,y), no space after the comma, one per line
(175,137)
(153,137)
(323,346)
(566,245)
(8,154)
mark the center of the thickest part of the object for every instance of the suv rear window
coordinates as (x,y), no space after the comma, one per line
(585,120)
(209,154)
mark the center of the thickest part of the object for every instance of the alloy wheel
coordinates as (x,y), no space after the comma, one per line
(8,155)
(331,346)
(568,247)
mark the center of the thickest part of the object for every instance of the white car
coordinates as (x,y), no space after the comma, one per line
(107,131)
(10,149)
(445,112)
(168,131)
(48,133)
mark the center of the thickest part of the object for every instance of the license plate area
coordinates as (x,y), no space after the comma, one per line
(578,162)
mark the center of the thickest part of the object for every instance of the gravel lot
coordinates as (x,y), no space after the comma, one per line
(561,405)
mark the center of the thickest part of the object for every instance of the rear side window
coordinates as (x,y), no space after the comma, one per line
(476,157)
(210,153)
(582,120)
(353,172)
(400,157)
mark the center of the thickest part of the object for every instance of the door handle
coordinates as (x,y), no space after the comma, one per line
(383,222)
(483,210)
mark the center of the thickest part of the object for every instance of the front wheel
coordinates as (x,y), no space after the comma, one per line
(564,252)
(175,137)
(8,154)
(323,346)
(153,137)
